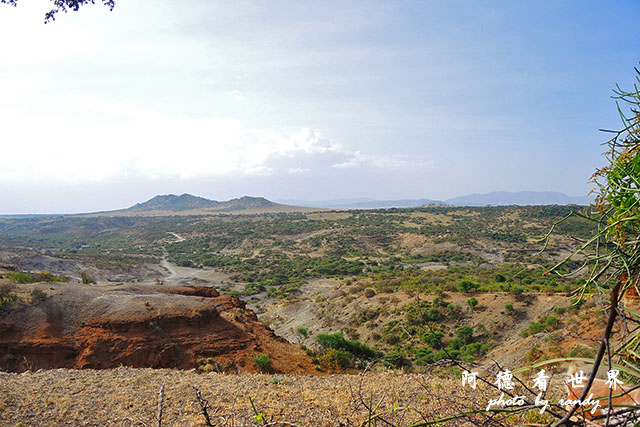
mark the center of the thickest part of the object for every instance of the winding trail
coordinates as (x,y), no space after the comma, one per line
(178,275)
(178,237)
(173,273)
(167,265)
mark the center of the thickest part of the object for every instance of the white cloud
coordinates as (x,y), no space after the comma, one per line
(108,141)
(238,96)
(392,162)
(111,141)
(298,170)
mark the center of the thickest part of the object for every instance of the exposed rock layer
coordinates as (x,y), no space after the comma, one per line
(184,327)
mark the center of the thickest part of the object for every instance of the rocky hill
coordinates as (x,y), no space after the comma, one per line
(244,203)
(187,204)
(171,202)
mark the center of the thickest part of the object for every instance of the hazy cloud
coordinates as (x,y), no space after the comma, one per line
(391,162)
(120,141)
(291,100)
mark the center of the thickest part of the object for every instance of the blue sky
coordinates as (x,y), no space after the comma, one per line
(306,100)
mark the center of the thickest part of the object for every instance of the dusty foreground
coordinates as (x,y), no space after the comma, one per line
(129,397)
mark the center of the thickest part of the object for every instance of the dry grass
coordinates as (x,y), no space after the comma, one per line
(125,396)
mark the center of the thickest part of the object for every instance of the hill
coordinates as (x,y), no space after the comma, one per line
(187,204)
(171,202)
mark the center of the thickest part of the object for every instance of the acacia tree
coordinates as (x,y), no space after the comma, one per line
(64,6)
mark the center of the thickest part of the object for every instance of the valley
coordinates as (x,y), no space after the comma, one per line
(335,309)
(412,286)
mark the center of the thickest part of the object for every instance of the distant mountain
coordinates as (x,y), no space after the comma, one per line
(522,198)
(171,202)
(496,198)
(364,203)
(194,204)
(187,204)
(246,202)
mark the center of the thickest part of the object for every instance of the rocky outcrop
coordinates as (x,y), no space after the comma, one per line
(140,326)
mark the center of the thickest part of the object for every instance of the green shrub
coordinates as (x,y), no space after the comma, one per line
(277,379)
(394,360)
(544,323)
(509,308)
(472,302)
(208,364)
(551,321)
(425,356)
(434,339)
(472,351)
(336,359)
(581,351)
(253,289)
(433,314)
(262,362)
(465,333)
(21,277)
(455,344)
(275,292)
(356,348)
(43,276)
(7,297)
(467,286)
(38,295)
(303,331)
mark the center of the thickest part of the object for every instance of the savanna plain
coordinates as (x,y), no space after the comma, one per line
(255,313)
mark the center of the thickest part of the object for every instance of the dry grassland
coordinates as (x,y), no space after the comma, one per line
(129,397)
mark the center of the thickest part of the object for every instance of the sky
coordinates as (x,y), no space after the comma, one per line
(306,100)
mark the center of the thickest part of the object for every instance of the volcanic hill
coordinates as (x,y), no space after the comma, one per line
(187,204)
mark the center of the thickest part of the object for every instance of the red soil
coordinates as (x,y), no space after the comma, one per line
(163,327)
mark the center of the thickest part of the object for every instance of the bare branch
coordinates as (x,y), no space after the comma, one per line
(160,403)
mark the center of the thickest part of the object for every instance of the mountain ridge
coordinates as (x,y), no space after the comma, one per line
(495,198)
(521,198)
(189,202)
(174,203)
